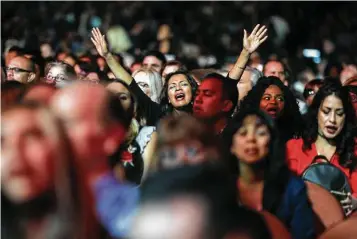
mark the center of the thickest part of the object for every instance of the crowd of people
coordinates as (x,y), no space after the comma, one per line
(98,143)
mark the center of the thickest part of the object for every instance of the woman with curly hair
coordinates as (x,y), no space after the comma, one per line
(263,179)
(331,122)
(274,98)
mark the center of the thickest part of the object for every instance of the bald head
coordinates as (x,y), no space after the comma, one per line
(21,69)
(94,121)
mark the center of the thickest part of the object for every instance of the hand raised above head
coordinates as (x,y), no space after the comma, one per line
(255,39)
(99,42)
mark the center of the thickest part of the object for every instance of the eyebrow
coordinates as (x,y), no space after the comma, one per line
(272,95)
(329,108)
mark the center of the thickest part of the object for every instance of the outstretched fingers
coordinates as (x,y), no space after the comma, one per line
(263,40)
(261,34)
(255,30)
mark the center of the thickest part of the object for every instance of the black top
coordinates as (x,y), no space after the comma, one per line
(147,109)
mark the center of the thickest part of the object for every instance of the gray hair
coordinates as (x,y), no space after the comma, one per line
(255,74)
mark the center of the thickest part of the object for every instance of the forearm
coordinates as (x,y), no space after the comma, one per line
(117,69)
(239,66)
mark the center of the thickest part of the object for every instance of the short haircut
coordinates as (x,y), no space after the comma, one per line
(229,89)
(286,69)
(181,66)
(156,54)
(19,50)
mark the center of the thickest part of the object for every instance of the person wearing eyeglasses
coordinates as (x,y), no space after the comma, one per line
(21,69)
(311,89)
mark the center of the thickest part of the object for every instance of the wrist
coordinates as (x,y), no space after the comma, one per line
(107,55)
(245,52)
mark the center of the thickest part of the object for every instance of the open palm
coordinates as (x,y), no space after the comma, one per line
(99,42)
(255,39)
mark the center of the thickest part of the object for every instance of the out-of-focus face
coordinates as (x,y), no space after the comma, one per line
(70,61)
(251,141)
(151,62)
(142,79)
(46,50)
(135,67)
(40,93)
(331,117)
(354,101)
(348,72)
(61,56)
(122,92)
(244,85)
(92,77)
(186,152)
(19,70)
(179,91)
(209,101)
(273,101)
(167,70)
(275,68)
(101,63)
(83,122)
(27,156)
(179,217)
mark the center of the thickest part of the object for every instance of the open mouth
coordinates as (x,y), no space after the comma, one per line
(180,96)
(331,129)
(273,111)
(251,151)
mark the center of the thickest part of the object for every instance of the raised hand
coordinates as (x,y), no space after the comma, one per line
(257,37)
(99,42)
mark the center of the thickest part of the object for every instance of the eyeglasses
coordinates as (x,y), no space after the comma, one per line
(309,92)
(55,78)
(172,153)
(17,70)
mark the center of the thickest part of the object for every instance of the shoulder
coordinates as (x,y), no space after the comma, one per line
(144,136)
(293,143)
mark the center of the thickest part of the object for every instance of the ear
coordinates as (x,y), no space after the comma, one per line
(31,77)
(114,138)
(227,105)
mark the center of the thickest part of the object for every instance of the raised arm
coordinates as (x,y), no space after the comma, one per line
(102,48)
(250,44)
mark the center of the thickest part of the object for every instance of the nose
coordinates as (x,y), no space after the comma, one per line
(273,101)
(332,117)
(198,99)
(251,137)
(9,74)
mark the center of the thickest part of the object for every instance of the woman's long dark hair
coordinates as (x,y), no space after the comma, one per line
(290,124)
(276,172)
(345,141)
(166,107)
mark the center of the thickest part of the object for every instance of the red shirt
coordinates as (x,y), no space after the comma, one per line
(298,160)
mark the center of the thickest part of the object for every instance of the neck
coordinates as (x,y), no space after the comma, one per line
(187,109)
(322,140)
(250,175)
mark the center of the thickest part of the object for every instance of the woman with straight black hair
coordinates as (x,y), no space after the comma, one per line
(274,98)
(264,181)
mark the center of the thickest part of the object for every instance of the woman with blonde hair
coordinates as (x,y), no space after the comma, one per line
(149,82)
